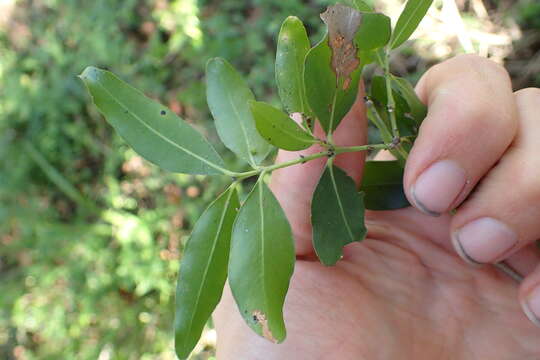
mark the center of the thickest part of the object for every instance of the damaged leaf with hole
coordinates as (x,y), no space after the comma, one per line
(261,262)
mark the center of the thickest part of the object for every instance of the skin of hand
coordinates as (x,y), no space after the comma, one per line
(420,286)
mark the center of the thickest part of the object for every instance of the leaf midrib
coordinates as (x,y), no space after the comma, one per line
(207,267)
(242,127)
(263,245)
(299,82)
(415,9)
(296,134)
(341,209)
(211,164)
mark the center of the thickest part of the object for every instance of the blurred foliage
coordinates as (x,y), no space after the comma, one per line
(90,234)
(524,63)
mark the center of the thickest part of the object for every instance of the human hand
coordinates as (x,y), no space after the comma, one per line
(403,293)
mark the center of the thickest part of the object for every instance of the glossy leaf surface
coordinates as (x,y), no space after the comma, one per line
(292,48)
(329,101)
(374,31)
(408,20)
(152,130)
(382,185)
(228,94)
(261,262)
(203,271)
(337,215)
(278,128)
(417,108)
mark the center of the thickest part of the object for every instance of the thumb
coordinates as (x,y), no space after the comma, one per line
(294,186)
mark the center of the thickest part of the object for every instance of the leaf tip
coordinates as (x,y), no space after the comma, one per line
(292,20)
(215,61)
(91,73)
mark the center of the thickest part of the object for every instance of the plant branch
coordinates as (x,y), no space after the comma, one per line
(345,149)
(391,104)
(330,153)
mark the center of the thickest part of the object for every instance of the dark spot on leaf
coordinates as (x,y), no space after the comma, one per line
(163,112)
(260,318)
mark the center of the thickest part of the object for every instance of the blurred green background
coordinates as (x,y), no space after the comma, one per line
(91,234)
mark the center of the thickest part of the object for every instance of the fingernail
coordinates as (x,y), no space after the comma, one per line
(531,306)
(438,186)
(483,241)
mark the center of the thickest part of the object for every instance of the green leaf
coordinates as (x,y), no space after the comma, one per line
(382,185)
(409,19)
(366,57)
(152,130)
(278,128)
(261,262)
(374,31)
(203,271)
(328,101)
(337,214)
(417,108)
(359,5)
(293,45)
(228,95)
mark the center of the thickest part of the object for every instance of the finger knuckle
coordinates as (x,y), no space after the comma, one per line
(477,116)
(527,174)
(486,71)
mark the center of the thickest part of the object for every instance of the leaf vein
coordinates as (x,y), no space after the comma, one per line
(214,245)
(341,209)
(242,127)
(263,267)
(407,22)
(209,163)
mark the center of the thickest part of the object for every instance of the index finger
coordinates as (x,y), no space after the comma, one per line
(471,121)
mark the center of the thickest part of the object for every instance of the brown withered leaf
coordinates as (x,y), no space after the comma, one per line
(342,22)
